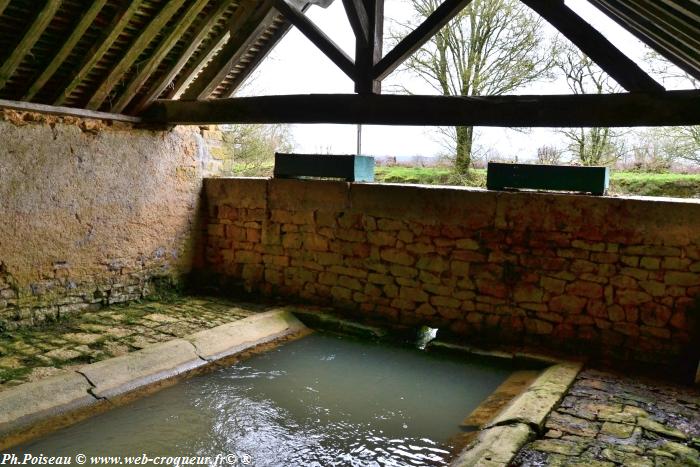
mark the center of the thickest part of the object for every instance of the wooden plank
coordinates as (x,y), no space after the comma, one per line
(418,37)
(151,65)
(95,55)
(583,110)
(66,111)
(203,30)
(3,5)
(82,26)
(143,40)
(244,32)
(595,45)
(592,180)
(317,37)
(36,29)
(359,21)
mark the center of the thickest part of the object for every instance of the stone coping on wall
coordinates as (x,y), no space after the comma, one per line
(615,277)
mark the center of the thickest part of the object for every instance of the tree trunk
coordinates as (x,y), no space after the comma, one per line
(463,159)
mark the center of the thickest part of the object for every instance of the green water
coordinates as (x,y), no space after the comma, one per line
(324,400)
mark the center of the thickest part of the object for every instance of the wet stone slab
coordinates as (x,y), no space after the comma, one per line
(608,419)
(34,354)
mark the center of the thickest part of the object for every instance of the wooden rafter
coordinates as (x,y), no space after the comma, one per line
(582,110)
(41,21)
(202,32)
(595,45)
(93,56)
(359,21)
(151,65)
(262,52)
(418,37)
(194,68)
(317,37)
(82,26)
(653,36)
(144,39)
(246,29)
(3,5)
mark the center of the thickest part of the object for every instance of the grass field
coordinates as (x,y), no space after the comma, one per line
(621,183)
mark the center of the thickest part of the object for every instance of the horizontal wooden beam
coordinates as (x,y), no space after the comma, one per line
(584,110)
(66,111)
(419,36)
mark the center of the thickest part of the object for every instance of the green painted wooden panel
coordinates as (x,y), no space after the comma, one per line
(592,180)
(347,167)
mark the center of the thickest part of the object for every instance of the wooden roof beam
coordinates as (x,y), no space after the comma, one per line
(3,5)
(97,52)
(202,33)
(579,110)
(168,10)
(151,65)
(317,37)
(78,31)
(418,37)
(368,54)
(595,45)
(359,21)
(36,29)
(244,32)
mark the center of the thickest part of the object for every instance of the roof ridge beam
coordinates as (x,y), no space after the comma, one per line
(139,45)
(82,26)
(31,36)
(159,54)
(595,45)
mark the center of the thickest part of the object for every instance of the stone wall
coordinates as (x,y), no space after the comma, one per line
(608,276)
(91,213)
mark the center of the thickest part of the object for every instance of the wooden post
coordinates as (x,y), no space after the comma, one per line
(368,53)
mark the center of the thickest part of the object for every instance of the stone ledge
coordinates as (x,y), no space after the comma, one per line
(117,376)
(224,341)
(495,446)
(24,405)
(534,405)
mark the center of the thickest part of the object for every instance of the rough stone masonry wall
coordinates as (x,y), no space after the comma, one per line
(91,213)
(610,276)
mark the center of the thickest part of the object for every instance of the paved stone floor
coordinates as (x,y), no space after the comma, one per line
(608,419)
(32,354)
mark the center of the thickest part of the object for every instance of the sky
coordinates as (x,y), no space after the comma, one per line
(305,69)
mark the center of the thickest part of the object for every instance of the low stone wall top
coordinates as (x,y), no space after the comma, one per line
(612,276)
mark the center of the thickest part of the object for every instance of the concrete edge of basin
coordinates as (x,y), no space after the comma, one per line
(35,409)
(500,440)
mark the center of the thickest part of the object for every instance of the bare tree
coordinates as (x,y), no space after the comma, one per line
(588,146)
(254,146)
(549,155)
(492,47)
(682,142)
